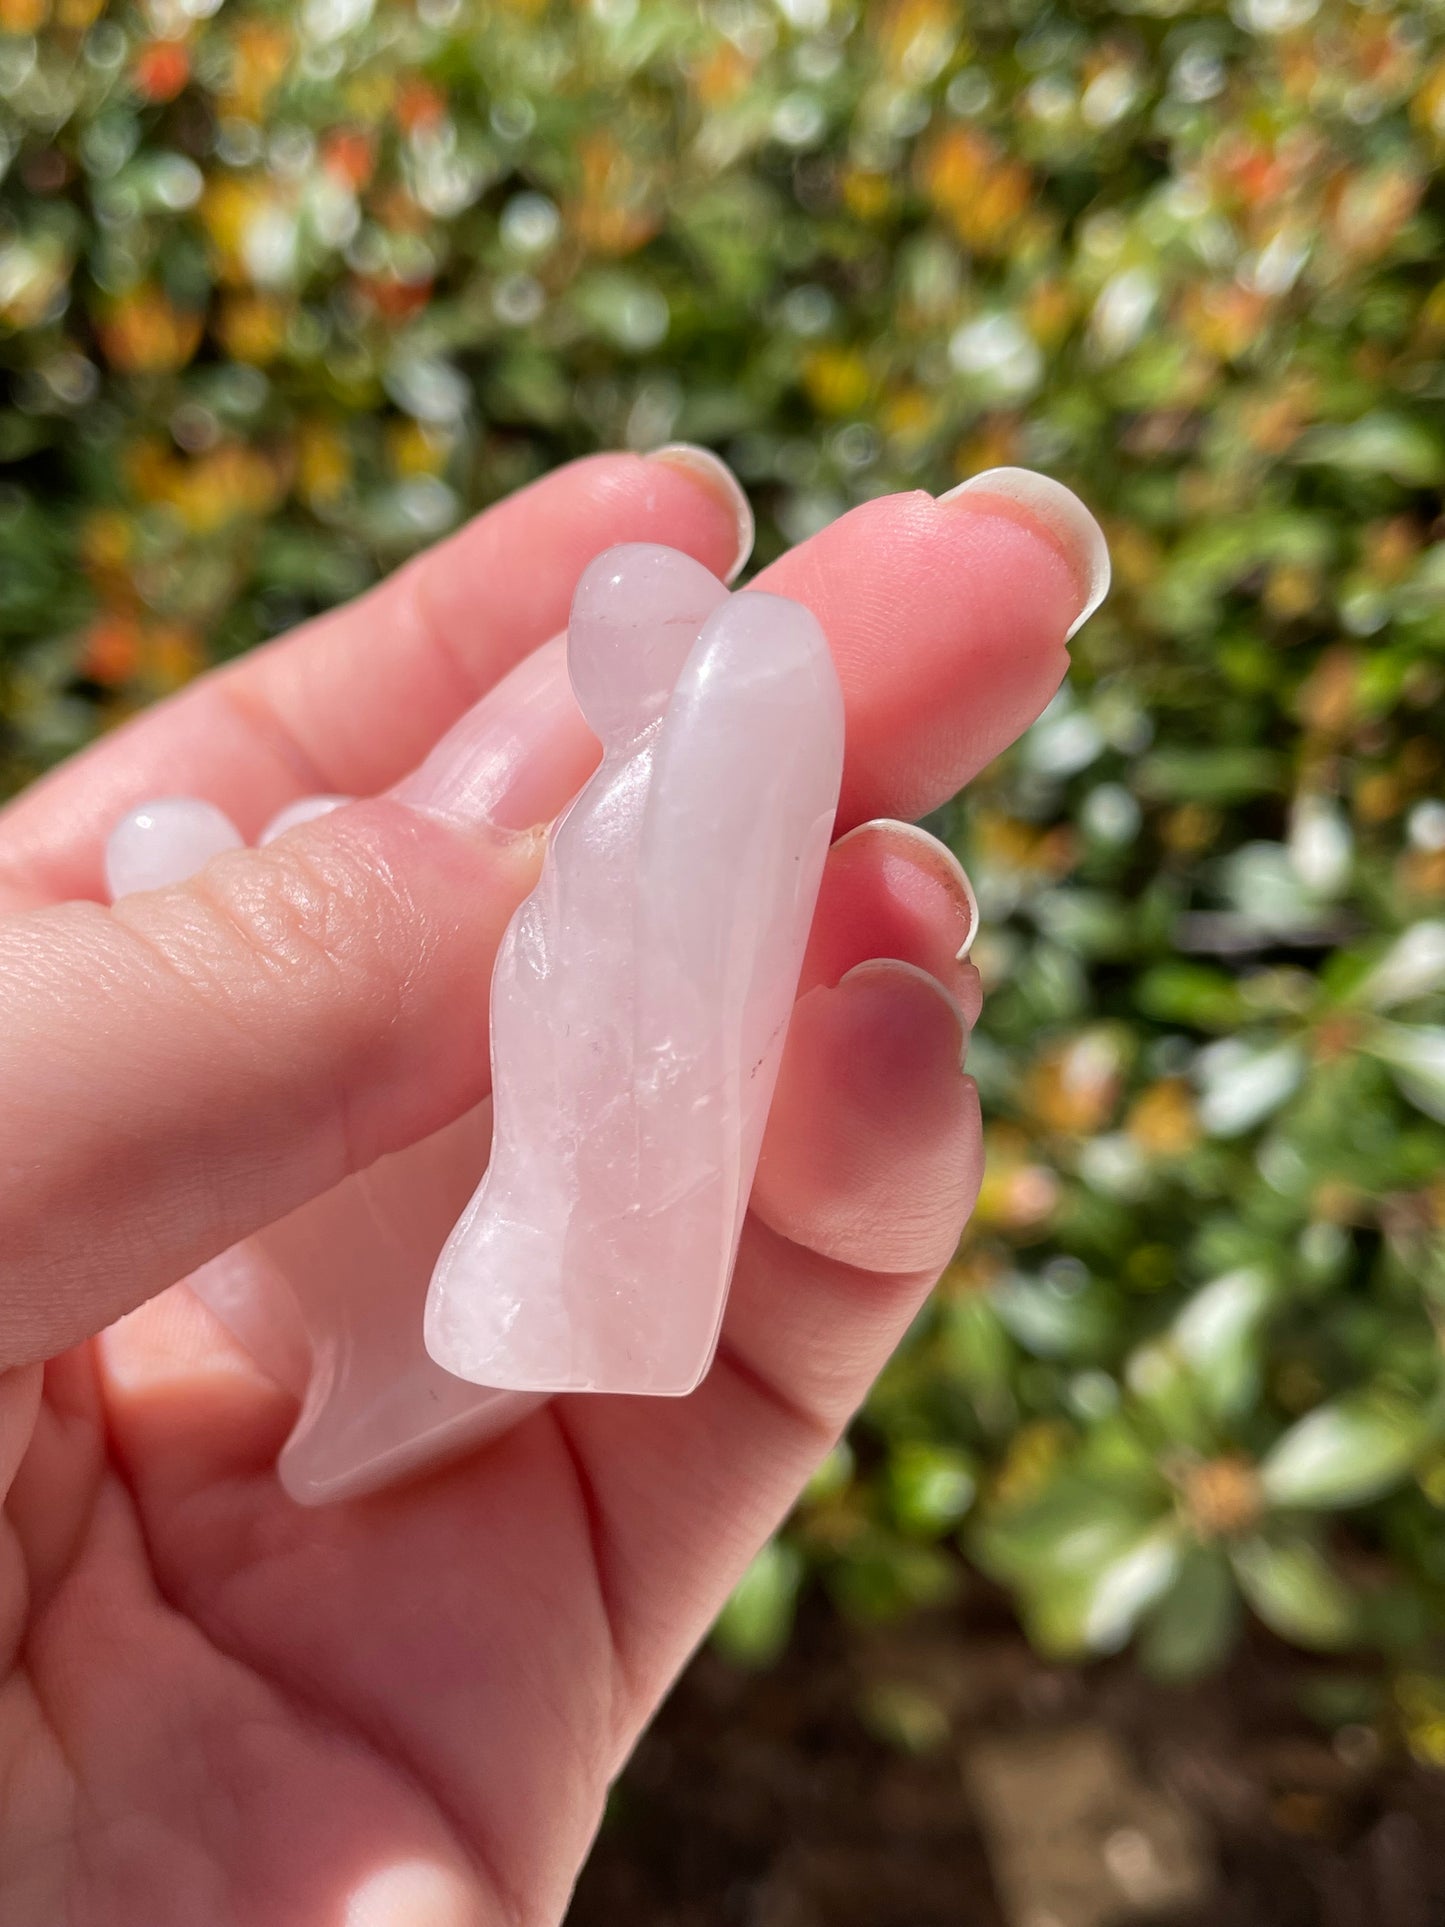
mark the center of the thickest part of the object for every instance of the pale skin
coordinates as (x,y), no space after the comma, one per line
(405,1711)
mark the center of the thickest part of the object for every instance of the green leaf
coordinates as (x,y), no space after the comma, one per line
(1243,1084)
(1342,1454)
(754,1625)
(1193,1627)
(1295,1591)
(1412,967)
(1415,1055)
(1216,1336)
(1128,1585)
(1223,775)
(931,1486)
(1380,443)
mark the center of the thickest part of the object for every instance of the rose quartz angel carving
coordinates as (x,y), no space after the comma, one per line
(642,992)
(723,731)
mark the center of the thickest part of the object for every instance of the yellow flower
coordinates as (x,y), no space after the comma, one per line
(1032,1456)
(1163,1121)
(836,380)
(866,195)
(252,327)
(260,55)
(323,463)
(229,210)
(416,450)
(910,416)
(916,38)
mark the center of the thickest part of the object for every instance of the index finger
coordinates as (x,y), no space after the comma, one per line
(348,703)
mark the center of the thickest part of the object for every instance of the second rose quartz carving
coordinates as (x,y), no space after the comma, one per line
(642,993)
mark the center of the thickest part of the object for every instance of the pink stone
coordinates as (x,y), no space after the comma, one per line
(329,1300)
(164,842)
(642,992)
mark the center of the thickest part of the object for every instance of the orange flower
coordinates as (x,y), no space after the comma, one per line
(1019,1194)
(916,38)
(394,299)
(1223,319)
(616,209)
(110,650)
(983,194)
(23,16)
(144,333)
(161,70)
(420,106)
(721,75)
(171,655)
(1074,1087)
(349,154)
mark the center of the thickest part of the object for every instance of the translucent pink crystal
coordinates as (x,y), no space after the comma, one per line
(165,841)
(642,993)
(329,1300)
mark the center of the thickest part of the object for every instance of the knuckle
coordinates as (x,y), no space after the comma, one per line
(331,918)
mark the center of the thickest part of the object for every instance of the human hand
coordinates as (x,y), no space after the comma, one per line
(218,1706)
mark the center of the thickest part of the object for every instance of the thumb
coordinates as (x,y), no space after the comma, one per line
(190,1065)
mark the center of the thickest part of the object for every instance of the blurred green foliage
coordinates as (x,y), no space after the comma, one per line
(286,291)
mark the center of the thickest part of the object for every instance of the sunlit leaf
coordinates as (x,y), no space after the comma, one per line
(1295,1591)
(1342,1454)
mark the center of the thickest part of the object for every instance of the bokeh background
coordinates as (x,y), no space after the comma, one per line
(286,292)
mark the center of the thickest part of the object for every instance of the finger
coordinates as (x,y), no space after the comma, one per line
(349,702)
(871,1164)
(203,1059)
(948,621)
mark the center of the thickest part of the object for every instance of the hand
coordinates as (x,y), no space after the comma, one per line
(405,1711)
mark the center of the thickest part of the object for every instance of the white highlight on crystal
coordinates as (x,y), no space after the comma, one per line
(164,842)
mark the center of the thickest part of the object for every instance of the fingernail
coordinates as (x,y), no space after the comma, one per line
(931,855)
(1062,517)
(893,978)
(165,841)
(514,760)
(305,809)
(721,484)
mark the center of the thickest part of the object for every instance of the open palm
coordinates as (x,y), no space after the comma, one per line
(219,1707)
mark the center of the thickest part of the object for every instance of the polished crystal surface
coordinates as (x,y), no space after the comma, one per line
(642,993)
(329,1300)
(165,841)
